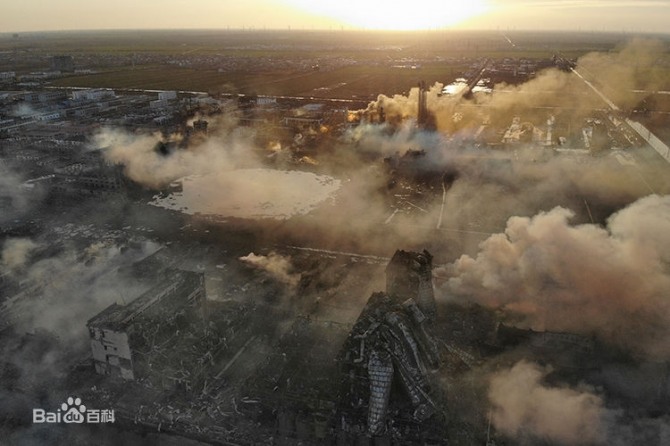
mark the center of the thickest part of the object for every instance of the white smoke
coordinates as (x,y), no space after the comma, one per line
(276,265)
(73,286)
(226,150)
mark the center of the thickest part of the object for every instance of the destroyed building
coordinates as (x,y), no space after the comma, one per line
(92,182)
(410,275)
(119,332)
(387,358)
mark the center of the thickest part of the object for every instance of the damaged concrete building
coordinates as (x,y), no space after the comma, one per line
(120,331)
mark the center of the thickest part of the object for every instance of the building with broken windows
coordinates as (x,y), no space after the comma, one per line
(121,335)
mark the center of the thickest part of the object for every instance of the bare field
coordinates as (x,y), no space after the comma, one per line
(345,83)
(354,64)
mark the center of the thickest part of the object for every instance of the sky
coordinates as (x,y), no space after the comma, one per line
(596,15)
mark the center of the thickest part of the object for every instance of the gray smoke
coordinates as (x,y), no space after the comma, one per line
(16,200)
(73,286)
(636,66)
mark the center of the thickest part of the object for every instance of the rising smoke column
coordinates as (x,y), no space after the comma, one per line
(16,200)
(15,253)
(276,265)
(612,282)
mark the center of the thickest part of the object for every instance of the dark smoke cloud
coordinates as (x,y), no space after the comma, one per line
(612,282)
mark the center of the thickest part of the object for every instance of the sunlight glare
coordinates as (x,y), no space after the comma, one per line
(387,15)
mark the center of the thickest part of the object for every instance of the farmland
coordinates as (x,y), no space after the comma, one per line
(335,64)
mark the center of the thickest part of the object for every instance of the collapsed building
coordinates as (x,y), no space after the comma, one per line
(121,335)
(90,182)
(331,383)
(388,357)
(239,379)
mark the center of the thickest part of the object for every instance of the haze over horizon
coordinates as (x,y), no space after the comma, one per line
(648,16)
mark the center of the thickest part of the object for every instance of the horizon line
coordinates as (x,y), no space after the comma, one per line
(580,30)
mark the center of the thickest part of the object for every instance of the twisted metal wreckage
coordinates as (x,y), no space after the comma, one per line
(394,338)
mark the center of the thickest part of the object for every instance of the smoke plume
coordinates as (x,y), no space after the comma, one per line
(16,200)
(73,286)
(525,408)
(227,149)
(15,253)
(275,265)
(611,282)
(634,67)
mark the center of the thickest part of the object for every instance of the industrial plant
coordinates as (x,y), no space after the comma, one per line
(478,257)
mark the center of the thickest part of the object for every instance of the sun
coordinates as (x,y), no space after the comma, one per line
(389,15)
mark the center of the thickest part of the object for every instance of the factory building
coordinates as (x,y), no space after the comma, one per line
(167,95)
(91,94)
(302,122)
(44,96)
(98,181)
(119,332)
(7,76)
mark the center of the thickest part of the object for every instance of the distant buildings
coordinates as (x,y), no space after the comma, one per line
(92,95)
(167,95)
(44,96)
(64,64)
(7,76)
